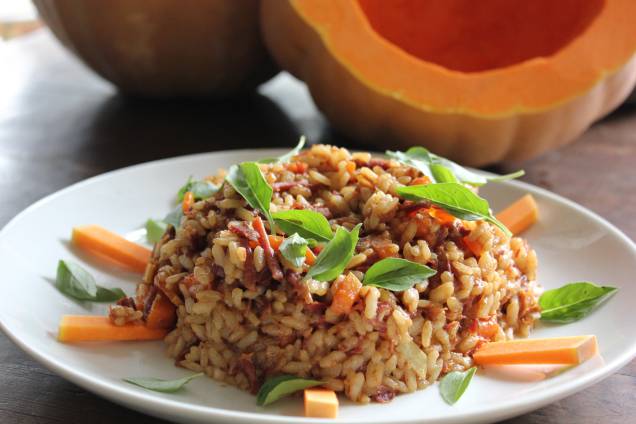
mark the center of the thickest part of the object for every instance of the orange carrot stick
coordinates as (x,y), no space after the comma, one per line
(520,215)
(102,242)
(557,350)
(188,201)
(82,328)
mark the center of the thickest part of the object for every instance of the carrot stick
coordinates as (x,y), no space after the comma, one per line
(188,201)
(557,350)
(82,328)
(102,242)
(520,215)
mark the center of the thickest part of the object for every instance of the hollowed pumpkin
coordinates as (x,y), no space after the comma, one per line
(478,81)
(165,47)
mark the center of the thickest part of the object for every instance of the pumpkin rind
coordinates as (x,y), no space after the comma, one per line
(498,117)
(165,47)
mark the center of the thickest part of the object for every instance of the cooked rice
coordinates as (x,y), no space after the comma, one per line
(239,326)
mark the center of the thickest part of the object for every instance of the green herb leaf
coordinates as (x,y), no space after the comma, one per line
(455,199)
(155,230)
(442,174)
(203,189)
(421,159)
(335,256)
(308,224)
(184,189)
(396,274)
(505,177)
(77,283)
(573,301)
(174,217)
(293,249)
(199,189)
(454,384)
(416,157)
(247,179)
(283,385)
(287,156)
(108,295)
(164,386)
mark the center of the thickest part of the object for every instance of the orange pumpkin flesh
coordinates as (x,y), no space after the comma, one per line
(479,82)
(472,36)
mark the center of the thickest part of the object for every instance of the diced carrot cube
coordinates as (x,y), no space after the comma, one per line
(345,294)
(321,403)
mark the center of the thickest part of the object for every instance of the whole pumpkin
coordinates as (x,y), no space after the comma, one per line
(165,47)
(477,81)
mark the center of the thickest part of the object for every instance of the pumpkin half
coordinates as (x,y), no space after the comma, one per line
(165,47)
(477,81)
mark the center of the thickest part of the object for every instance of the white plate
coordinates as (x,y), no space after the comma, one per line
(572,244)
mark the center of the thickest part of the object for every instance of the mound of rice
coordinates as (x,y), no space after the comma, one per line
(239,325)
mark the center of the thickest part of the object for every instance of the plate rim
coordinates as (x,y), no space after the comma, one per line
(143,401)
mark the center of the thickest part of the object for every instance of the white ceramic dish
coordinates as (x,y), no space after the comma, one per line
(572,244)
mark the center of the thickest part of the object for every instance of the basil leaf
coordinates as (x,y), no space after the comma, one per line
(200,189)
(108,295)
(293,249)
(442,174)
(203,190)
(454,384)
(396,274)
(155,230)
(335,256)
(573,301)
(164,386)
(280,386)
(247,179)
(505,177)
(306,223)
(421,159)
(77,283)
(184,189)
(287,156)
(174,217)
(455,199)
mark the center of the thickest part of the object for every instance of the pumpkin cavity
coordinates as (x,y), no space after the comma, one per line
(473,36)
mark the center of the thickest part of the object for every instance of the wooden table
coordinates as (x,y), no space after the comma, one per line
(59,124)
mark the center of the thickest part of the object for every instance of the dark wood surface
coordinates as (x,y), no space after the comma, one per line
(59,124)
